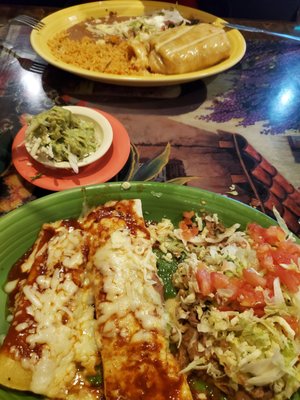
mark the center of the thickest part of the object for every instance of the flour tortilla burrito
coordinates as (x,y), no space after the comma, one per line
(188,48)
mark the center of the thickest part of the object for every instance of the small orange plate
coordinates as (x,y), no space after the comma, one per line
(100,171)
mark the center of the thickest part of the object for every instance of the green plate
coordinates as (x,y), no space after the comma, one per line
(19,228)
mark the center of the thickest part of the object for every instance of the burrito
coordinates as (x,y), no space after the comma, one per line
(187,48)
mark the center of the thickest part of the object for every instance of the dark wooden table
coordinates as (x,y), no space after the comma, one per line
(237,132)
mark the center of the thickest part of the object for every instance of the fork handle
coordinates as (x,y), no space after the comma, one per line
(259,30)
(8,50)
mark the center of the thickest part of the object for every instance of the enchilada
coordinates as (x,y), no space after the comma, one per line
(50,347)
(86,300)
(132,325)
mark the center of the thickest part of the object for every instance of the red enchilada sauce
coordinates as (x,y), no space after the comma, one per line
(15,340)
(168,386)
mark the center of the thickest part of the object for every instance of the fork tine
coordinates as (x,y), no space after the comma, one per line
(32,66)
(30,17)
(26,63)
(26,22)
(37,22)
(37,68)
(33,24)
(30,21)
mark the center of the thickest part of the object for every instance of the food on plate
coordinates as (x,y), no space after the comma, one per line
(133,45)
(102,263)
(50,347)
(131,319)
(141,27)
(57,135)
(152,310)
(236,313)
(188,48)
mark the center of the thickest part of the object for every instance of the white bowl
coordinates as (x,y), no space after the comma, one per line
(103,133)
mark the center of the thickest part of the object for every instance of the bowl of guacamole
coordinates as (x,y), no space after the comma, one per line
(68,137)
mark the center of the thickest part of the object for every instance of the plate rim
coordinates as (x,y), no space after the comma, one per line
(141,187)
(135,80)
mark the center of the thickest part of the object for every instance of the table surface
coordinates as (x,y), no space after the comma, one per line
(237,133)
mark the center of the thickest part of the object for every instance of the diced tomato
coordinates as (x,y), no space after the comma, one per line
(188,230)
(251,276)
(272,251)
(271,235)
(256,232)
(289,278)
(291,247)
(250,298)
(183,225)
(264,255)
(185,230)
(240,294)
(219,280)
(259,311)
(225,307)
(274,234)
(204,281)
(287,252)
(270,281)
(281,257)
(194,230)
(188,214)
(190,233)
(266,261)
(233,288)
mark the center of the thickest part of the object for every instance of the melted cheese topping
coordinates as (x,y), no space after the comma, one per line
(60,323)
(128,265)
(106,258)
(131,320)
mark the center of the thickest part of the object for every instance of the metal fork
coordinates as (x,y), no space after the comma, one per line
(30,21)
(259,30)
(26,63)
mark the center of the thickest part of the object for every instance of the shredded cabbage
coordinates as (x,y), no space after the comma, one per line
(235,347)
(141,26)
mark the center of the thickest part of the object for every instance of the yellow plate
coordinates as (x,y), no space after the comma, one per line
(70,16)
